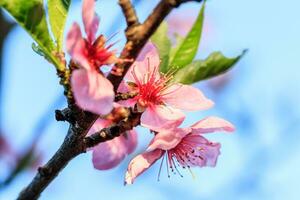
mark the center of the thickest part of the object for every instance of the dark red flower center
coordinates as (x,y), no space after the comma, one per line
(98,53)
(151,87)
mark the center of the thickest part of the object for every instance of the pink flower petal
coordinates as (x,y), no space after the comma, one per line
(75,45)
(123,88)
(90,19)
(168,139)
(92,91)
(212,124)
(109,154)
(206,151)
(141,163)
(146,63)
(149,51)
(186,97)
(130,141)
(128,103)
(159,117)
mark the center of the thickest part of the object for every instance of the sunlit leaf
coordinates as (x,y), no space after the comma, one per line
(187,50)
(163,44)
(178,42)
(58,11)
(214,65)
(30,15)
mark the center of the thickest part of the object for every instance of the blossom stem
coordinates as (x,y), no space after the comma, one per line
(125,96)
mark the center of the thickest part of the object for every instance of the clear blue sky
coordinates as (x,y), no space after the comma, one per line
(259,161)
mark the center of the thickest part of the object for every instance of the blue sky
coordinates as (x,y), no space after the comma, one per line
(259,161)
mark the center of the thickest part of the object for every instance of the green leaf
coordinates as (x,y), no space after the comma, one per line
(37,49)
(31,16)
(58,11)
(163,44)
(179,40)
(188,48)
(214,65)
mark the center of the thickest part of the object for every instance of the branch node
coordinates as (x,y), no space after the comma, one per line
(59,116)
(64,115)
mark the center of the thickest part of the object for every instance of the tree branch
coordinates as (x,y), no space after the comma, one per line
(74,144)
(113,131)
(80,121)
(71,147)
(129,13)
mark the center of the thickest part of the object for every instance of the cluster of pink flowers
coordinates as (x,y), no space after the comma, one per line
(158,99)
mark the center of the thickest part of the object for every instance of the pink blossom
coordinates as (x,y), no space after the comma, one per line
(185,147)
(92,91)
(157,97)
(109,154)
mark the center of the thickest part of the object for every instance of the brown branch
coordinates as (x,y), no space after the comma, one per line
(72,146)
(80,121)
(129,13)
(113,131)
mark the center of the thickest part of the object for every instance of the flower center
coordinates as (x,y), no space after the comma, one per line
(98,53)
(185,155)
(150,92)
(151,86)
